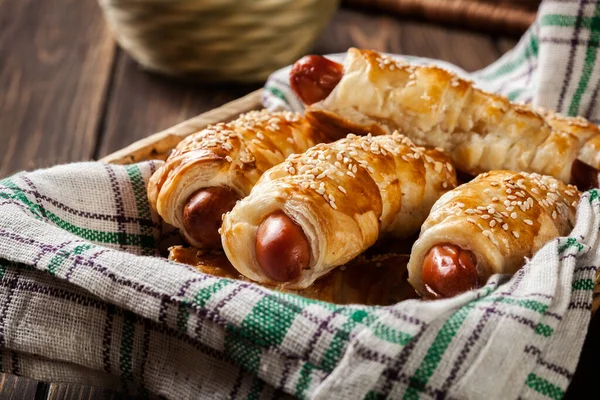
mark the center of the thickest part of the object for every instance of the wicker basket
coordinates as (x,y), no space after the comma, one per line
(501,16)
(217,40)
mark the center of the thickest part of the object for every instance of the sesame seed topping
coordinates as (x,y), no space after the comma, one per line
(554,215)
(528,221)
(228,158)
(505,227)
(486,216)
(342,189)
(471,220)
(515,234)
(495,199)
(513,215)
(493,223)
(487,233)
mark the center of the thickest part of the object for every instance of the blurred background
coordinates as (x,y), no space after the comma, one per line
(80,79)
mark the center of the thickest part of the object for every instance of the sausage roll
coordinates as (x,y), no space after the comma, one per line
(378,280)
(481,131)
(488,226)
(211,169)
(320,209)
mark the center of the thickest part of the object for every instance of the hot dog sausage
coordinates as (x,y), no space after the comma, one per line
(449,270)
(583,176)
(282,249)
(203,211)
(313,77)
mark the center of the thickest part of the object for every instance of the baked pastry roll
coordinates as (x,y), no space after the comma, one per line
(320,209)
(210,170)
(488,226)
(377,280)
(481,131)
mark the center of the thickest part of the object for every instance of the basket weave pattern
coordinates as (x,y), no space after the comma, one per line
(217,40)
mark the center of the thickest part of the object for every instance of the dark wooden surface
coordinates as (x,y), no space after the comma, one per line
(67,93)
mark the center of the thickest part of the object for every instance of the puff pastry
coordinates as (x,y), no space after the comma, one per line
(488,226)
(432,106)
(225,161)
(339,197)
(377,280)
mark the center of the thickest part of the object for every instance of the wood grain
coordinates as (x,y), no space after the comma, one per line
(468,50)
(16,388)
(55,59)
(141,103)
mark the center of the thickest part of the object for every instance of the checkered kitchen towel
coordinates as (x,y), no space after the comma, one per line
(83,297)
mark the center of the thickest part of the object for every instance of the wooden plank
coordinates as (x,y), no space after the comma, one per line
(505,44)
(66,391)
(16,388)
(468,50)
(55,61)
(141,103)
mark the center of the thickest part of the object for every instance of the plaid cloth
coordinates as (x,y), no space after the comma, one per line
(83,297)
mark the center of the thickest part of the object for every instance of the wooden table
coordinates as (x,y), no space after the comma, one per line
(68,93)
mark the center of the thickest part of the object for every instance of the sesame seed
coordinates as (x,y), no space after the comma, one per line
(470,211)
(351,174)
(460,205)
(444,185)
(493,223)
(495,199)
(228,158)
(333,205)
(505,227)
(494,183)
(482,208)
(487,233)
(292,170)
(508,191)
(528,221)
(471,220)
(504,213)
(515,234)
(510,208)
(506,203)
(569,193)
(486,216)
(513,215)
(554,215)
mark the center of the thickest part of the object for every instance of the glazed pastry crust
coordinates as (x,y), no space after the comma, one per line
(233,154)
(501,217)
(378,280)
(344,195)
(434,107)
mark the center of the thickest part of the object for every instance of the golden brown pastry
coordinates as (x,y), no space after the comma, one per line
(378,280)
(481,131)
(320,209)
(212,169)
(488,226)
